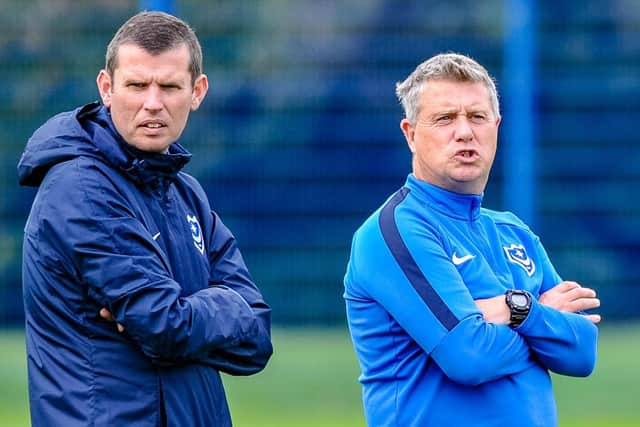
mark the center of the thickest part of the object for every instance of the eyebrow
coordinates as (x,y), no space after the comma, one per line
(456,110)
(452,110)
(140,79)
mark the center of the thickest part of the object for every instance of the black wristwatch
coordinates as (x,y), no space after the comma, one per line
(519,303)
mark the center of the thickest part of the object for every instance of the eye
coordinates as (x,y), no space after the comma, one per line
(136,85)
(478,118)
(444,118)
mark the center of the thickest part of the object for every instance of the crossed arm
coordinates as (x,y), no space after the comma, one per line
(99,236)
(560,308)
(244,318)
(466,337)
(567,296)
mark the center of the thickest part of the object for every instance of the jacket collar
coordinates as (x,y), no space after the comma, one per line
(455,205)
(141,166)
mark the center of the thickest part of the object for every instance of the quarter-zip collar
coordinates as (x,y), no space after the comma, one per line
(461,206)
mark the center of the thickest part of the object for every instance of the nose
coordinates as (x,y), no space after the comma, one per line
(463,130)
(153,99)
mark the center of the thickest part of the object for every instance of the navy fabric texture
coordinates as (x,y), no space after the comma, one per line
(126,230)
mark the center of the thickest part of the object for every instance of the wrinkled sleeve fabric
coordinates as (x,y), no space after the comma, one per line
(565,343)
(123,269)
(250,354)
(401,264)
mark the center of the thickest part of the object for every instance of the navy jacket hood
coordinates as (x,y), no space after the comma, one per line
(89,131)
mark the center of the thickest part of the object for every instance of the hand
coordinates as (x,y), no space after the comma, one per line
(572,298)
(495,310)
(106,314)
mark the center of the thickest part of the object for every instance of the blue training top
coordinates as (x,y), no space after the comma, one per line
(427,356)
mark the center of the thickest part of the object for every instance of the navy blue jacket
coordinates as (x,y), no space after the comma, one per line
(115,227)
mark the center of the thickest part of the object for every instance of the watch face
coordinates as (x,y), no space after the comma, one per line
(519,300)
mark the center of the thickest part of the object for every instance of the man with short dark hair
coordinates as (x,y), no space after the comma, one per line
(136,295)
(456,313)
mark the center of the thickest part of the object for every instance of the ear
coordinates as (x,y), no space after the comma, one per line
(105,86)
(200,88)
(409,132)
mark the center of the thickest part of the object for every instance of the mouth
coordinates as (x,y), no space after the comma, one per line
(466,154)
(153,124)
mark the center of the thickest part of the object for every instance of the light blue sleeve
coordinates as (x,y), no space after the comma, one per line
(565,343)
(414,280)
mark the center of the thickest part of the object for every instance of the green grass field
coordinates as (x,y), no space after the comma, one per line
(312,381)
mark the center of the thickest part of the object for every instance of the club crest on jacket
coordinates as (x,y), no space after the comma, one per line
(196,233)
(518,255)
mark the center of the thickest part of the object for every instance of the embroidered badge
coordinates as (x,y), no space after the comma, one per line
(517,255)
(196,233)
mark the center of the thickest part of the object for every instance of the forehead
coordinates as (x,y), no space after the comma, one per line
(134,61)
(438,94)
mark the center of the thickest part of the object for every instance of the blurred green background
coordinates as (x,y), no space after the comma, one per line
(312,381)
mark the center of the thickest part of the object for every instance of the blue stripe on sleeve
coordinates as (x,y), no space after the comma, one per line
(405,260)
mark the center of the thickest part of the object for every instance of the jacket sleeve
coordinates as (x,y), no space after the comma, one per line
(123,269)
(228,271)
(409,274)
(565,343)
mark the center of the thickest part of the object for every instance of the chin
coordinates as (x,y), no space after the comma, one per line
(468,185)
(152,146)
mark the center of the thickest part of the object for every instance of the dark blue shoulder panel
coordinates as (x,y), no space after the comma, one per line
(405,260)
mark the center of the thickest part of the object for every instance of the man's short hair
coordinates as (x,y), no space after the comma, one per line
(155,32)
(444,66)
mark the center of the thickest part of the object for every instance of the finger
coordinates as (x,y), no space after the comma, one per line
(578,293)
(567,286)
(595,318)
(572,283)
(106,314)
(584,304)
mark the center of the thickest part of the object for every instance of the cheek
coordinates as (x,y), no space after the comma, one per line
(121,106)
(123,113)
(433,145)
(181,111)
(492,144)
(122,123)
(430,155)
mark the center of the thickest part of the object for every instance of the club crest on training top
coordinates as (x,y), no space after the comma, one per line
(196,233)
(518,255)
